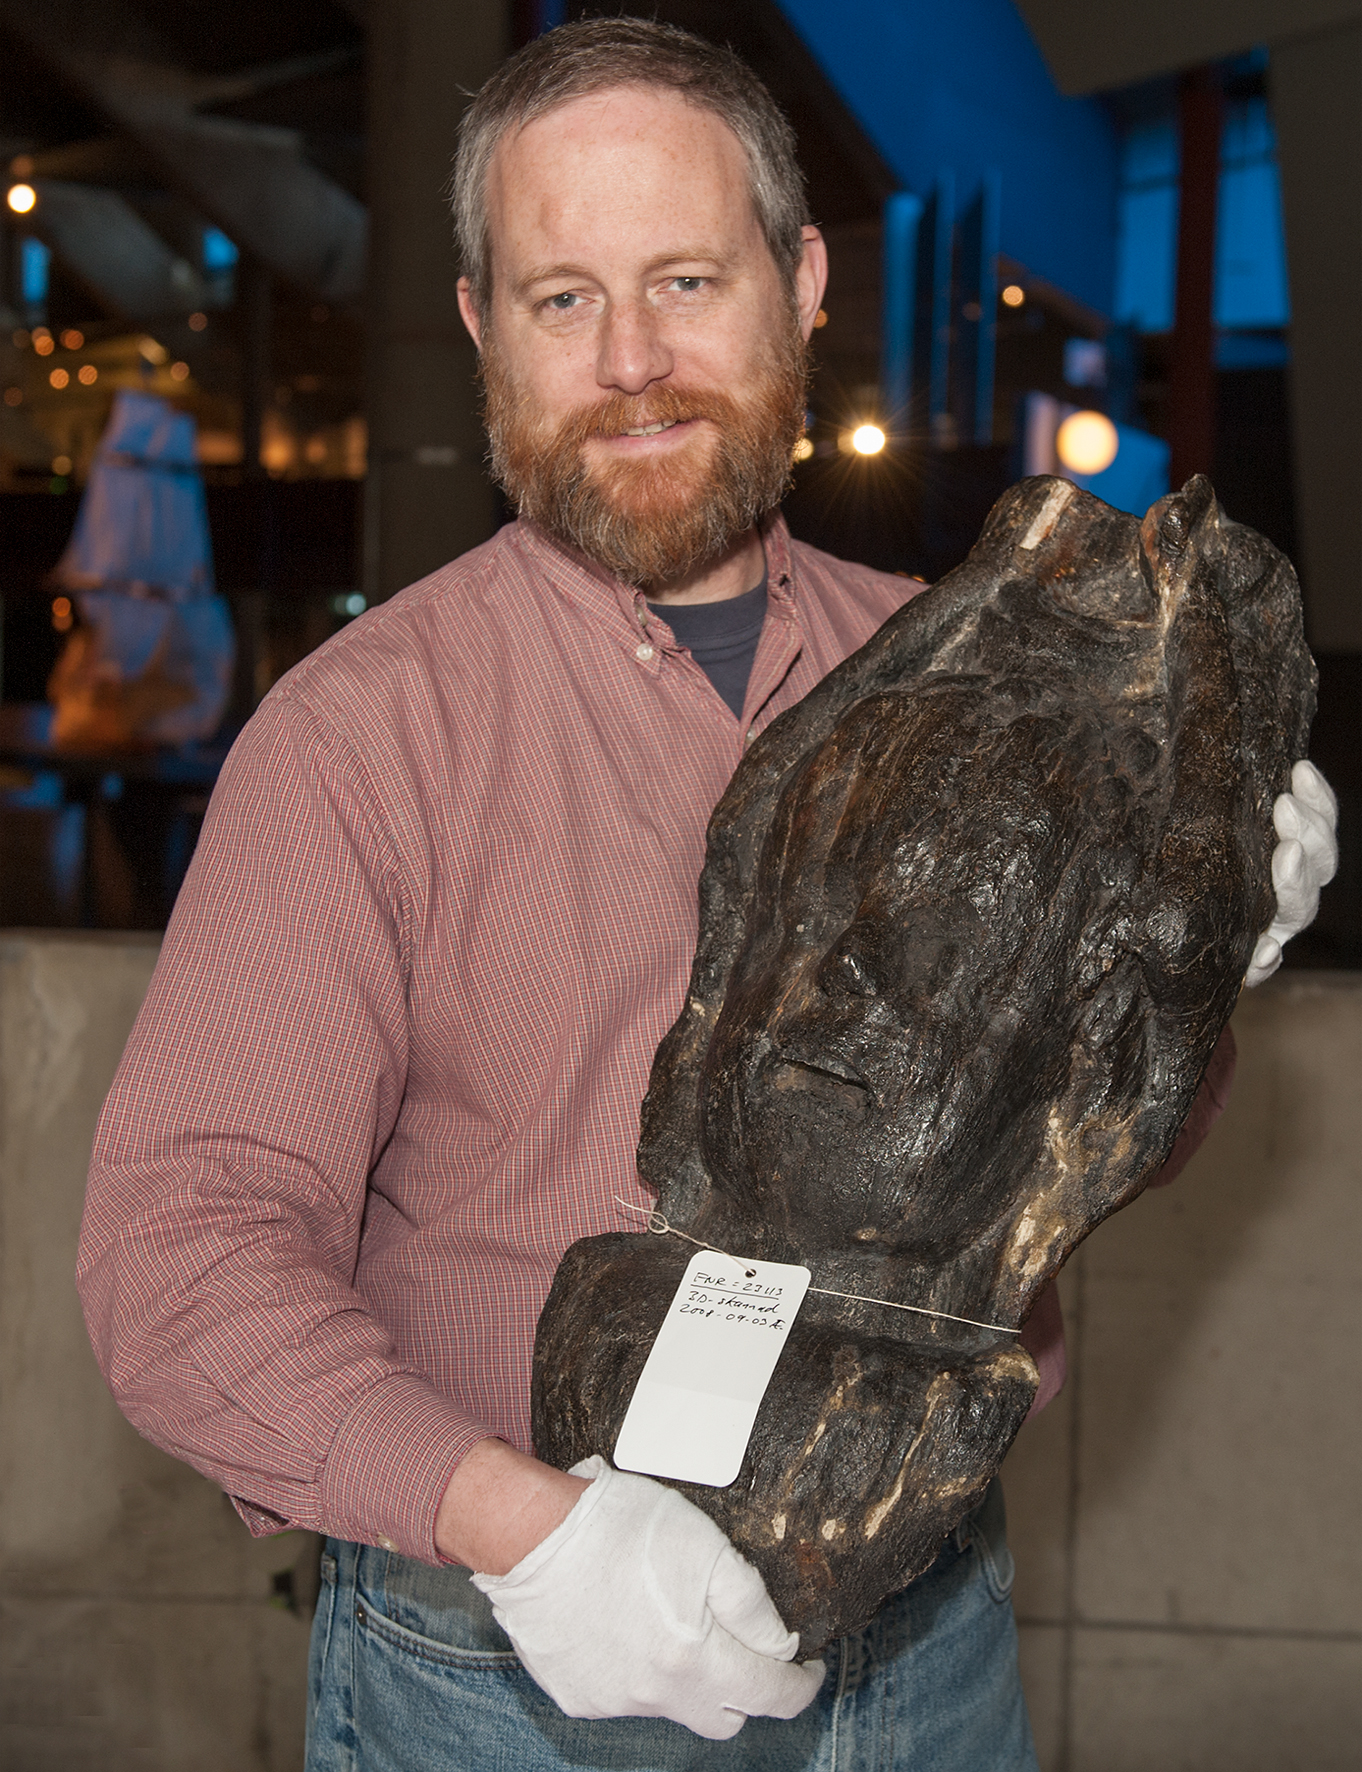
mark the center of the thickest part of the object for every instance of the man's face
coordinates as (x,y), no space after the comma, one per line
(644,362)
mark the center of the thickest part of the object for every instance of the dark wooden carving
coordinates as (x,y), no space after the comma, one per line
(972,918)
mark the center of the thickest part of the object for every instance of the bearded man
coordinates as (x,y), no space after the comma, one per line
(442,910)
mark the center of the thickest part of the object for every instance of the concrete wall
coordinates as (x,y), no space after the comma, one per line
(137,1632)
(1184,1518)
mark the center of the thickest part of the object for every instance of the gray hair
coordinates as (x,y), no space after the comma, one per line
(598,55)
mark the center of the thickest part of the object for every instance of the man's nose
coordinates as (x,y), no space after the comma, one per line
(633,351)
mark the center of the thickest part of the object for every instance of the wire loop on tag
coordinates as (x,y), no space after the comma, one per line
(659,1226)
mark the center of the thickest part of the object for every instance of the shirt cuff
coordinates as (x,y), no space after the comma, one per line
(390,1465)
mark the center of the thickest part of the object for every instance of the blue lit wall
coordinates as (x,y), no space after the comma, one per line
(961,84)
(1250,245)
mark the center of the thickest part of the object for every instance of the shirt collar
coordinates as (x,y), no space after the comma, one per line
(609,600)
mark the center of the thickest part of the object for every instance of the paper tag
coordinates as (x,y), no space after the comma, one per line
(697,1397)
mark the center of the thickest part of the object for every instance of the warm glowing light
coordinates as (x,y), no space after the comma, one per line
(803,449)
(20,339)
(1014,295)
(61,464)
(59,378)
(62,616)
(820,318)
(21,198)
(72,339)
(87,375)
(314,450)
(44,343)
(180,371)
(220,448)
(867,439)
(197,322)
(14,396)
(152,351)
(1087,442)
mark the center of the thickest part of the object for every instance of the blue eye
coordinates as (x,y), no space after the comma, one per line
(689,284)
(562,303)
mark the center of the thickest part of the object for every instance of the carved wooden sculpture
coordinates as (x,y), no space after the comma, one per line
(973,916)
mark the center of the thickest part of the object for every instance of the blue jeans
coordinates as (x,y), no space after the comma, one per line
(411,1673)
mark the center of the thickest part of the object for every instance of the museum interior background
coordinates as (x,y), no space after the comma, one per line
(1151,212)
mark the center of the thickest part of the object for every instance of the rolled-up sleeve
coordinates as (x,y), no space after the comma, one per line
(228,1184)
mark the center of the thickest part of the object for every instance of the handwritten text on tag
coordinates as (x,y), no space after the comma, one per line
(692,1411)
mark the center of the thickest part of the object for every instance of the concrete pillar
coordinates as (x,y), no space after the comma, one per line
(427,496)
(1316,87)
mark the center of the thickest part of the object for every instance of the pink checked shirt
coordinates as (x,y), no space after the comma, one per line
(391,1060)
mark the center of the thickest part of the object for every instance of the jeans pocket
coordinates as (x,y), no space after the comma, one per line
(436,1614)
(988,1536)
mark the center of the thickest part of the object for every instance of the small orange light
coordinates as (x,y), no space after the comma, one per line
(59,378)
(44,344)
(14,396)
(73,338)
(868,439)
(803,450)
(87,375)
(180,371)
(197,322)
(62,616)
(820,318)
(21,198)
(1014,296)
(61,464)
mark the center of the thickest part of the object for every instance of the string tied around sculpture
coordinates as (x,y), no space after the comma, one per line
(659,1225)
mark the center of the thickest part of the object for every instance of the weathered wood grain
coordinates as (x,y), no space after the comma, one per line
(972,917)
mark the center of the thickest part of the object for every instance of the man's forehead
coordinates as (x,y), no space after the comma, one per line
(595,148)
(631,107)
(625,181)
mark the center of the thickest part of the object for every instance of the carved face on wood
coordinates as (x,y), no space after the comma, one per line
(859,1020)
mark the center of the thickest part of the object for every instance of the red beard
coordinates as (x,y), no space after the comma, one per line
(651,522)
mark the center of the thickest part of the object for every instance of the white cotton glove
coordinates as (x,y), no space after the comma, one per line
(1306,820)
(638,1606)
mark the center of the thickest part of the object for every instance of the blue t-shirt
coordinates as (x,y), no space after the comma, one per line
(721,638)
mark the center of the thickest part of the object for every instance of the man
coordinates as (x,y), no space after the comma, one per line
(442,910)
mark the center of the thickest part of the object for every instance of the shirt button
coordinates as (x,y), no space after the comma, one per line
(386,1544)
(751,733)
(643,654)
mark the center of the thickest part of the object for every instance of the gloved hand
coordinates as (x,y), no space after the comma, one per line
(1306,820)
(638,1606)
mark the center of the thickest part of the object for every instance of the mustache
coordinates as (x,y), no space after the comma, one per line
(618,413)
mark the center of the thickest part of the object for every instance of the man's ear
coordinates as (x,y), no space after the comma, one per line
(468,308)
(811,279)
